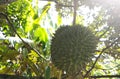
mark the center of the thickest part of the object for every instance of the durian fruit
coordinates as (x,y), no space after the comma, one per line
(72,48)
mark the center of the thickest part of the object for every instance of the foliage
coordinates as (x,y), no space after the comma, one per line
(19,59)
(26,29)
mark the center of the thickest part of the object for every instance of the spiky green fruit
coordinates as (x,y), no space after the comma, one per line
(72,47)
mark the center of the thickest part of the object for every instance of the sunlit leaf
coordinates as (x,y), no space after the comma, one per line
(5,70)
(29,24)
(43,14)
(33,56)
(59,20)
(80,20)
(41,34)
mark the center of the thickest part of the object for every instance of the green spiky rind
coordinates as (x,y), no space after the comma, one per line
(72,48)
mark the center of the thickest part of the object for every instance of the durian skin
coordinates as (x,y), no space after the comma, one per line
(72,47)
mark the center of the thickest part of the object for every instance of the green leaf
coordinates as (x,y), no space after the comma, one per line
(43,13)
(59,21)
(29,24)
(47,73)
(41,34)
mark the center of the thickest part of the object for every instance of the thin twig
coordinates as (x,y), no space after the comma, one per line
(104,33)
(99,57)
(26,44)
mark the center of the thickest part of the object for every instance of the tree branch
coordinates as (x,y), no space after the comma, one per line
(75,13)
(106,76)
(99,57)
(26,44)
(5,76)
